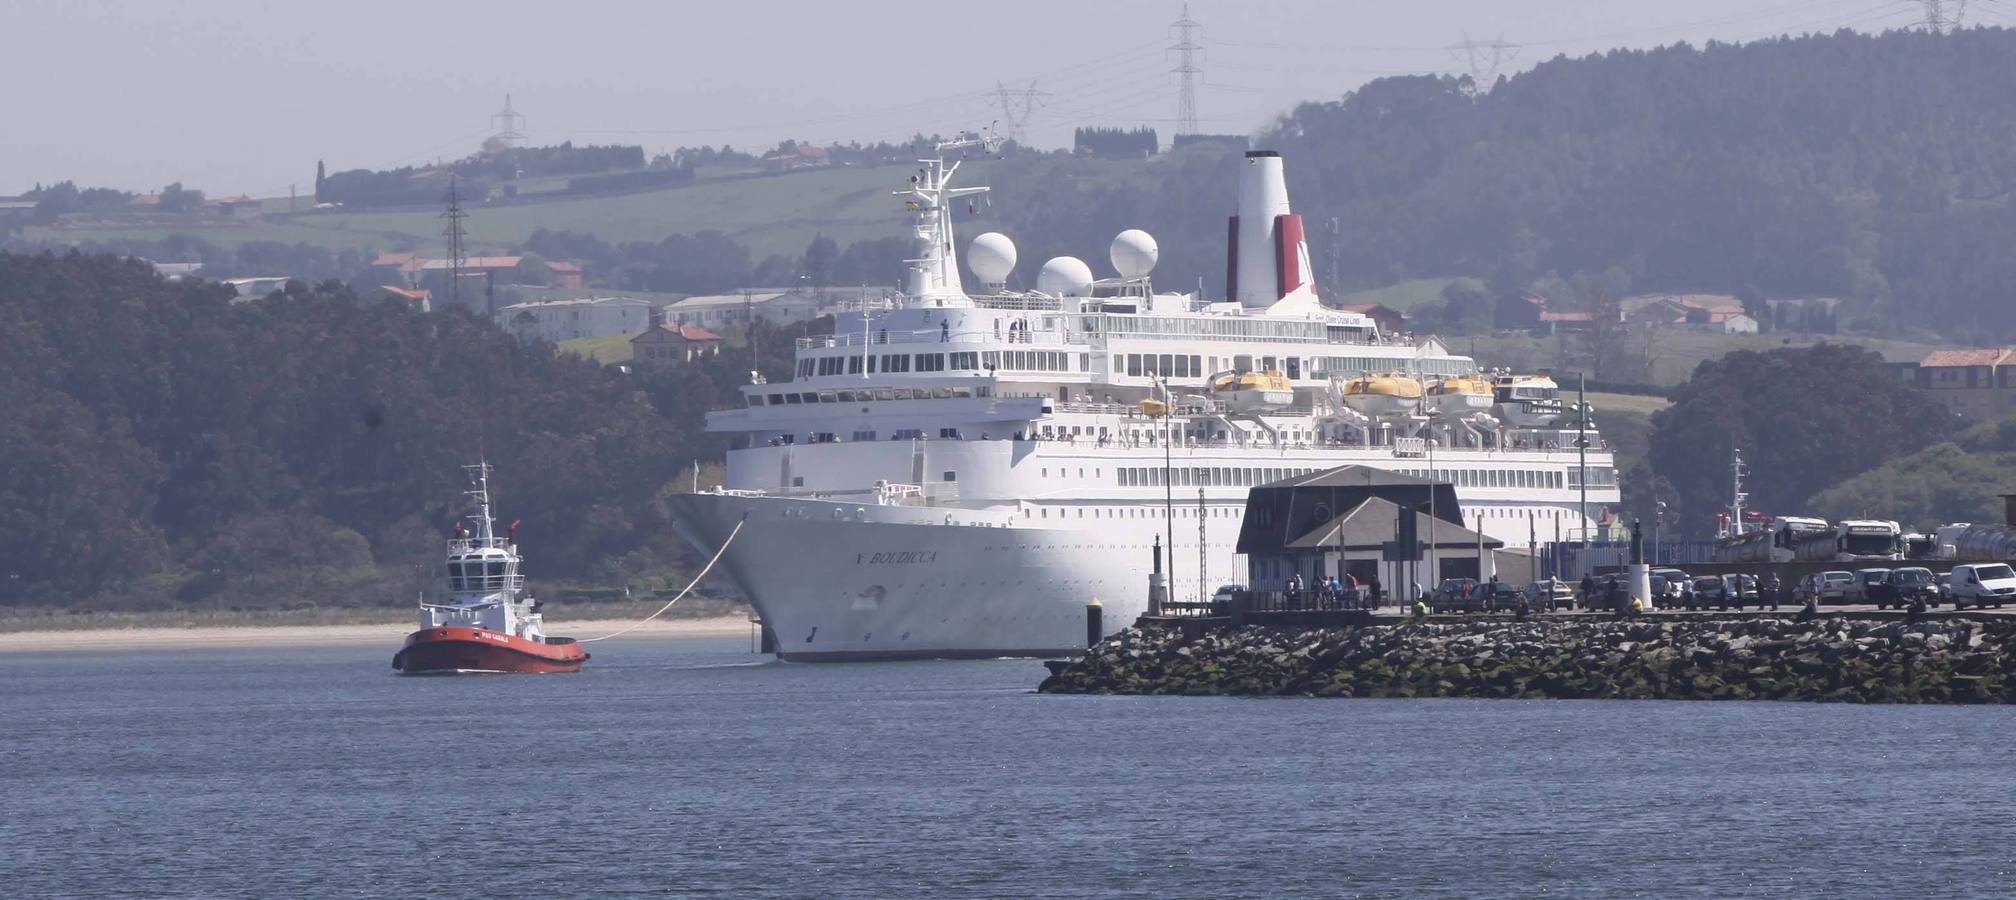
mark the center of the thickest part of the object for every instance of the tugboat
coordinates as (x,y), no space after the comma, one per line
(490,624)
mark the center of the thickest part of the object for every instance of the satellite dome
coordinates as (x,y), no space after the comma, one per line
(1134,253)
(1065,276)
(991,256)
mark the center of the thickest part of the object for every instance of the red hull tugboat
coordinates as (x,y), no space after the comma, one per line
(490,624)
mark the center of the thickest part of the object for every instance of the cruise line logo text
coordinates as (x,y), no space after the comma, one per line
(896,558)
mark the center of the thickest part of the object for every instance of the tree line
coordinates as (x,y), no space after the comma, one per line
(171,445)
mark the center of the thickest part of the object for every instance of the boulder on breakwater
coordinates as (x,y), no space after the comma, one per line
(1827,660)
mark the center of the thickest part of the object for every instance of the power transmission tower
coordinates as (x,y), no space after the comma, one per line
(1943,16)
(1186,72)
(1485,59)
(454,233)
(507,121)
(1017,106)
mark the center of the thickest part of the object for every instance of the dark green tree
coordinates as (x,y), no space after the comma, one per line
(1805,418)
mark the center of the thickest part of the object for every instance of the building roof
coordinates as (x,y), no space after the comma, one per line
(394,258)
(1370,524)
(562,266)
(578,301)
(755,298)
(689,332)
(1969,357)
(1567,317)
(410,294)
(1366,309)
(802,151)
(1350,476)
(475,262)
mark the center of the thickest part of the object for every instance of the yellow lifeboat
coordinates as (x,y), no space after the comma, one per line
(1385,394)
(1456,395)
(1253,391)
(1154,408)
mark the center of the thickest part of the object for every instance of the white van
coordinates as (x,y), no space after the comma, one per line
(1985,584)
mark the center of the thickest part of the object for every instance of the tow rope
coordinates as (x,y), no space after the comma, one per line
(682,594)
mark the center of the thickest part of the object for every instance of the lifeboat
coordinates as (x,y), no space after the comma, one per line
(489,622)
(1154,408)
(1382,395)
(1528,401)
(1459,395)
(1253,391)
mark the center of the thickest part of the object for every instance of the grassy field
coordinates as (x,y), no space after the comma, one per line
(609,348)
(1407,294)
(1674,355)
(775,214)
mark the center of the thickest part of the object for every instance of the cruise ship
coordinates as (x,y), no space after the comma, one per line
(957,473)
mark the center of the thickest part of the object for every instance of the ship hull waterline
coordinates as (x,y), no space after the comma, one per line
(917,587)
(458,650)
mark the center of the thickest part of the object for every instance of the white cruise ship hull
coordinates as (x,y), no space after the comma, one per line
(890,582)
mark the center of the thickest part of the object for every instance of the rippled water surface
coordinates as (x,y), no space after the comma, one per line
(675,766)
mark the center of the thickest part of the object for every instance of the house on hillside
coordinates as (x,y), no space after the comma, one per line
(718,311)
(416,298)
(257,286)
(1565,322)
(565,320)
(673,344)
(1973,383)
(561,274)
(802,156)
(1693,312)
(1390,320)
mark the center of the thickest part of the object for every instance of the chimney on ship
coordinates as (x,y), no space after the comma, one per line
(1267,251)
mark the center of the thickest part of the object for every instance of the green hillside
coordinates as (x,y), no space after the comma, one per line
(769,214)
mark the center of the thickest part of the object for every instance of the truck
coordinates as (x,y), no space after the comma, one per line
(1851,540)
(1773,544)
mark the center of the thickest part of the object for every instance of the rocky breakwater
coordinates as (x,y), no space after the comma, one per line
(1829,660)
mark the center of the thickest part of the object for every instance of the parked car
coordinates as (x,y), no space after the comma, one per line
(1498,595)
(1456,595)
(1222,598)
(1675,578)
(1982,585)
(1865,579)
(1711,590)
(1833,587)
(1747,591)
(1902,586)
(1550,594)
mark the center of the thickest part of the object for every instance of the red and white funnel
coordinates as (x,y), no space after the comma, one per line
(1267,252)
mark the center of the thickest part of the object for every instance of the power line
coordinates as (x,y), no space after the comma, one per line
(1486,59)
(1017,106)
(1943,16)
(507,122)
(1186,72)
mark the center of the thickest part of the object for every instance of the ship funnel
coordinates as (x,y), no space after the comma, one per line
(1267,251)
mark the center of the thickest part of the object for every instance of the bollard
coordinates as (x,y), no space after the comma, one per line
(1095,622)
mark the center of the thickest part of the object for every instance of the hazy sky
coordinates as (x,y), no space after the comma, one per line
(243,96)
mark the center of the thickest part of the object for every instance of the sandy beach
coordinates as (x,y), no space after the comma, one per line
(323,635)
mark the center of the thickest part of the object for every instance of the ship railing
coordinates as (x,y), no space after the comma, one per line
(935,336)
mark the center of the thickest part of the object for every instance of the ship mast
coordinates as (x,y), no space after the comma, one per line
(481,494)
(1736,494)
(935,271)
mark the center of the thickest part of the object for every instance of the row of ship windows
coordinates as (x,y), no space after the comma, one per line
(864,395)
(1235,476)
(1138,512)
(958,361)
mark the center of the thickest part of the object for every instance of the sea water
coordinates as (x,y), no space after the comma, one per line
(690,766)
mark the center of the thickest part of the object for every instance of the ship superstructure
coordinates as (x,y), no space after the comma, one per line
(957,473)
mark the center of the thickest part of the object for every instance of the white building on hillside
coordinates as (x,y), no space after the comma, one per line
(561,320)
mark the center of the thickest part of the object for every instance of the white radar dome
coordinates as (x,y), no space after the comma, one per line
(1134,253)
(991,256)
(1065,276)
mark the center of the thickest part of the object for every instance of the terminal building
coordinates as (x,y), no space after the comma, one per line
(1346,521)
